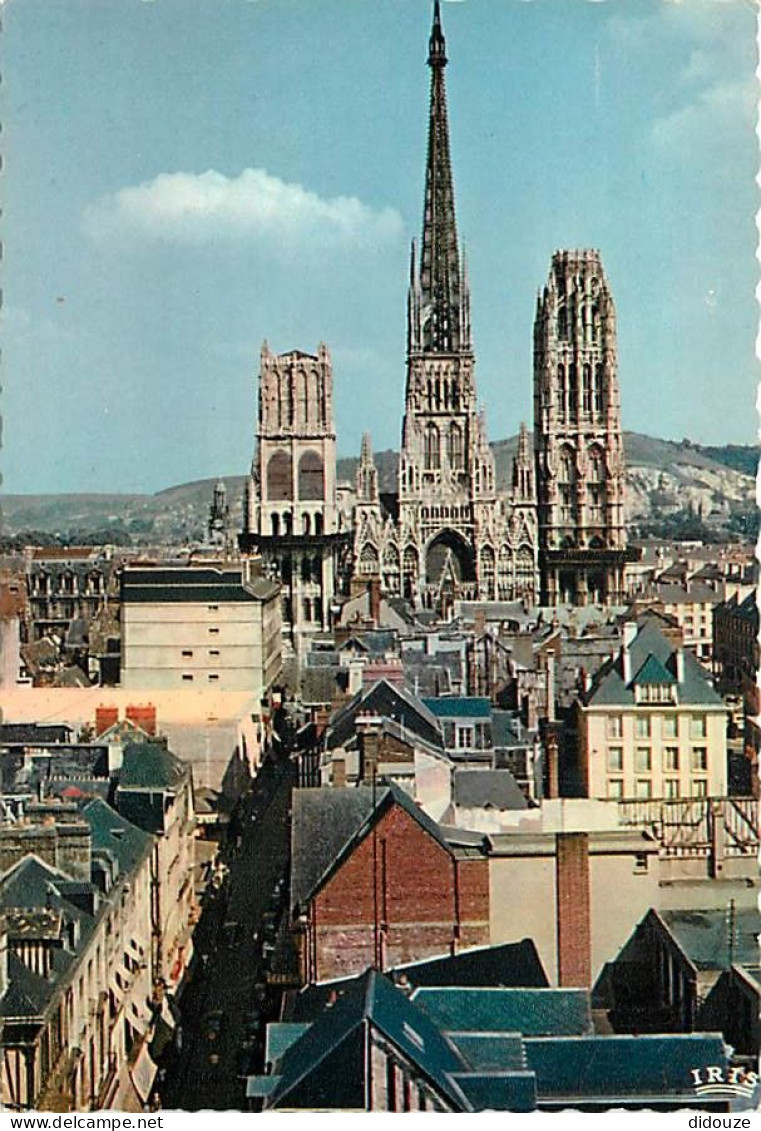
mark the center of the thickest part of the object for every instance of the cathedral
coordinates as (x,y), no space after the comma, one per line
(450,531)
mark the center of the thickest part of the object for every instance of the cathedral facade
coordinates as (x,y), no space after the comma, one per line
(554,533)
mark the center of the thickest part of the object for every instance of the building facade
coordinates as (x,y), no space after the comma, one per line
(651,724)
(200,626)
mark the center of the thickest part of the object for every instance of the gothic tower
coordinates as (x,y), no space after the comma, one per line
(291,516)
(446,469)
(577,435)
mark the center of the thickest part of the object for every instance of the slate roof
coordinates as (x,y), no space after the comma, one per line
(389,700)
(151,765)
(607,1068)
(113,833)
(33,734)
(371,999)
(531,1012)
(475,789)
(192,585)
(459,707)
(507,964)
(703,936)
(327,821)
(609,688)
(653,671)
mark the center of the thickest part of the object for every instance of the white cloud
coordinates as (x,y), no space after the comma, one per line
(712,119)
(202,208)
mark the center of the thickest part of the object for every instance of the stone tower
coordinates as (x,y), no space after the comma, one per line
(290,514)
(449,532)
(577,435)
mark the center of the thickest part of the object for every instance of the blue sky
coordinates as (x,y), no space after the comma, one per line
(184,178)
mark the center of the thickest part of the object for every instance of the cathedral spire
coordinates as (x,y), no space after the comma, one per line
(440,281)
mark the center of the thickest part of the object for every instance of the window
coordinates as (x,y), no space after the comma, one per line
(700,787)
(214,631)
(670,726)
(642,726)
(464,737)
(644,789)
(615,789)
(615,726)
(187,677)
(671,788)
(187,652)
(213,608)
(213,676)
(615,758)
(214,651)
(698,726)
(640,862)
(642,762)
(700,759)
(671,758)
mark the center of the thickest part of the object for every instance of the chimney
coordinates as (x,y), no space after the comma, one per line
(143,717)
(105,717)
(630,631)
(550,685)
(553,772)
(679,661)
(339,773)
(368,731)
(375,600)
(574,939)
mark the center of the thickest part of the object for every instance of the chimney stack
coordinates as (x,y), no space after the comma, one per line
(574,937)
(630,631)
(679,659)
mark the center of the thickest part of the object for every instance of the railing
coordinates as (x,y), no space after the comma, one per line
(696,826)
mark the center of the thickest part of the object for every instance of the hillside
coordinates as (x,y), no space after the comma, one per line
(669,483)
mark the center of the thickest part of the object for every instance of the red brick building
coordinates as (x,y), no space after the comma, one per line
(377,883)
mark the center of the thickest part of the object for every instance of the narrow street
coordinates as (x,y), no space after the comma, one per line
(226,1005)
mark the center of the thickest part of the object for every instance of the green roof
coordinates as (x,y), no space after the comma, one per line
(280,1036)
(704,936)
(607,1068)
(373,999)
(609,688)
(498,1010)
(113,832)
(653,671)
(150,765)
(490,1051)
(459,707)
(499,1091)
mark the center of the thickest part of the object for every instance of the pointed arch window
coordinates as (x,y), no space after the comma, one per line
(432,449)
(599,378)
(455,447)
(586,389)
